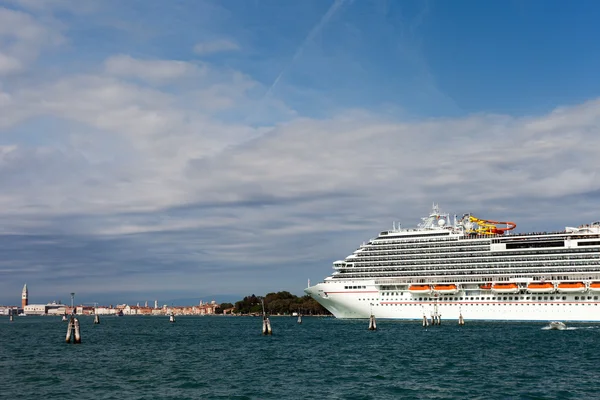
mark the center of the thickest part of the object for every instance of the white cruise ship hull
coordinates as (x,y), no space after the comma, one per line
(483,306)
(472,267)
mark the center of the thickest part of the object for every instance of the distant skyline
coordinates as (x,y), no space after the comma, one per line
(191,149)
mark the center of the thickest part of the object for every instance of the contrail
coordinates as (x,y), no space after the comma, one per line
(313,32)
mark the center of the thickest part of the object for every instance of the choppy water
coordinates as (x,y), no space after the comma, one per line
(323,358)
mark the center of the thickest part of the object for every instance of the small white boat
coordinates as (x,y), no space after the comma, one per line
(557,325)
(64,318)
(22,315)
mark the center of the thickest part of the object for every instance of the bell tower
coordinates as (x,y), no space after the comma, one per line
(24,297)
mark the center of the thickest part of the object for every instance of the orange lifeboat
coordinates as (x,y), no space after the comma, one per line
(595,287)
(446,289)
(505,288)
(571,287)
(485,286)
(540,287)
(419,289)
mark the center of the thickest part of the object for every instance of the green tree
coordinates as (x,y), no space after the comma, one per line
(223,306)
(280,303)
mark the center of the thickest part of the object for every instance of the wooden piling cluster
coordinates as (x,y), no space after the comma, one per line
(73,331)
(372,323)
(266,328)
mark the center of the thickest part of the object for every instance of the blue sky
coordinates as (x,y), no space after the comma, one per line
(214,149)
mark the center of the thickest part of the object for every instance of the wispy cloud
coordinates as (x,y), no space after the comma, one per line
(22,38)
(153,70)
(215,46)
(311,35)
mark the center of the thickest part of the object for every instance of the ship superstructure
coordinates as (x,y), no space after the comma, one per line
(468,266)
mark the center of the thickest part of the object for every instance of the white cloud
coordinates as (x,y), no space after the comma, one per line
(215,46)
(9,64)
(151,70)
(167,154)
(22,38)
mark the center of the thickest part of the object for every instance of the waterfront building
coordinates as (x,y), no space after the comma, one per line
(34,309)
(7,310)
(53,308)
(106,311)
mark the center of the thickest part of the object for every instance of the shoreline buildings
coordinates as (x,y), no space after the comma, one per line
(59,309)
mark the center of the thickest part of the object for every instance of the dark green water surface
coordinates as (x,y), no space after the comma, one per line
(135,357)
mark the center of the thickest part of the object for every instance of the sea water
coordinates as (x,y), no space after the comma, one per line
(217,357)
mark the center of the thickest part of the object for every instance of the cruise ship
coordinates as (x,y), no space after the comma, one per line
(468,269)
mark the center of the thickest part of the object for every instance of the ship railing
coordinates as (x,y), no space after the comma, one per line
(475,264)
(413,272)
(459,274)
(449,246)
(479,268)
(476,258)
(482,279)
(476,247)
(515,260)
(479,256)
(428,244)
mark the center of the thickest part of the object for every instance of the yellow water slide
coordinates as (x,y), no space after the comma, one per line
(489,227)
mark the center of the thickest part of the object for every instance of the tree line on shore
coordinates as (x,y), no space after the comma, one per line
(283,303)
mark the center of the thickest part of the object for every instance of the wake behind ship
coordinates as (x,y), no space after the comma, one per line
(473,267)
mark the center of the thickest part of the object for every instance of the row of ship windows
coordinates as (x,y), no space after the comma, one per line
(400,288)
(416,235)
(443,240)
(464,271)
(478,279)
(509,298)
(460,263)
(466,267)
(476,253)
(379,246)
(482,256)
(355,287)
(482,249)
(466,252)
(458,268)
(385,241)
(499,297)
(463,240)
(482,269)
(437,272)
